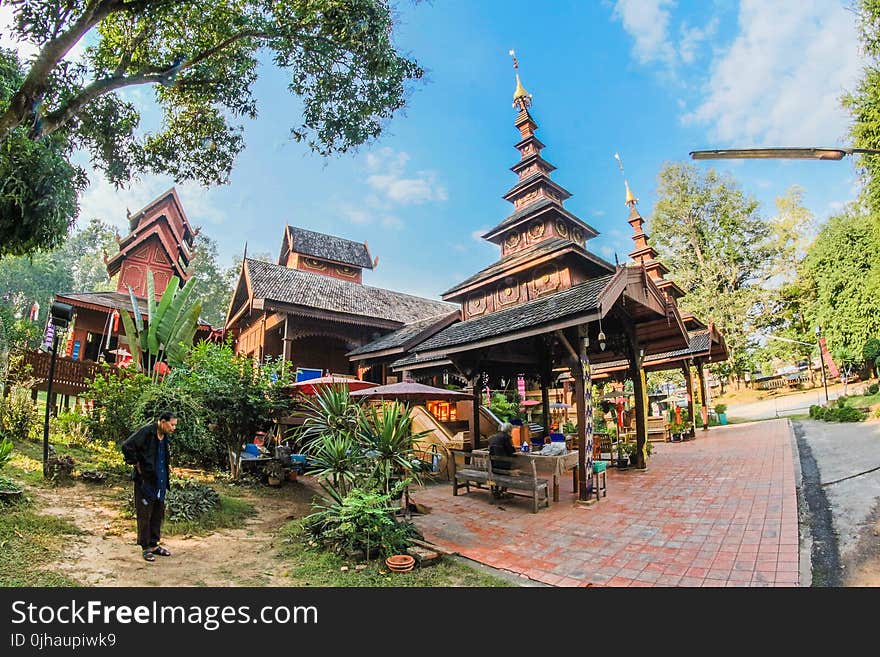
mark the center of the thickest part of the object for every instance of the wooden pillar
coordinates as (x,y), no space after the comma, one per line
(641,397)
(287,342)
(545,403)
(66,402)
(475,416)
(580,410)
(704,408)
(34,392)
(689,382)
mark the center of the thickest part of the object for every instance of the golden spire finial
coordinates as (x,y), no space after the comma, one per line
(630,197)
(521,98)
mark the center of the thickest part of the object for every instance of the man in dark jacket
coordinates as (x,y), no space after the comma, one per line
(149,450)
(501,444)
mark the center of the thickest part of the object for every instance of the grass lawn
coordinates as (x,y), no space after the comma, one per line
(27,540)
(310,566)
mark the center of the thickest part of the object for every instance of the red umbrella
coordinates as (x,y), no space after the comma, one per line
(411,391)
(309,387)
(530,402)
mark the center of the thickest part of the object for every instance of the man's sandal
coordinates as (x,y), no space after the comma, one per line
(162,552)
(149,556)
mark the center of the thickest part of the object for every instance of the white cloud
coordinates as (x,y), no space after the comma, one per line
(647,21)
(25,49)
(692,38)
(103,201)
(478,234)
(781,80)
(606,251)
(389,179)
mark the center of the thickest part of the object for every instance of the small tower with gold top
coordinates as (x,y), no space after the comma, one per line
(645,254)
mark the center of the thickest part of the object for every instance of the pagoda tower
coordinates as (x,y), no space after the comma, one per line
(543,245)
(645,255)
(161,241)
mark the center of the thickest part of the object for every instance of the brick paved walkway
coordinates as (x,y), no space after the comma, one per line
(720,510)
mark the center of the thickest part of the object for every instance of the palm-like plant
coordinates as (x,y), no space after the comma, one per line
(171,324)
(330,411)
(386,436)
(338,460)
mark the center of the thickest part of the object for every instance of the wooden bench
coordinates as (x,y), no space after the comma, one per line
(658,429)
(477,470)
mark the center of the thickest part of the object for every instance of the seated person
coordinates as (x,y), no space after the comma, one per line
(501,444)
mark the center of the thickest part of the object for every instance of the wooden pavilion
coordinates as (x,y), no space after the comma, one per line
(161,242)
(311,307)
(549,305)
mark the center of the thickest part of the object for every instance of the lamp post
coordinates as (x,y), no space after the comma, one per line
(61,314)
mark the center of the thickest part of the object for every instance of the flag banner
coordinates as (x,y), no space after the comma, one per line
(50,333)
(521,387)
(829,361)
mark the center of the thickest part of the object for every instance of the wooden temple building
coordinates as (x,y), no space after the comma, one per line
(549,306)
(312,308)
(160,241)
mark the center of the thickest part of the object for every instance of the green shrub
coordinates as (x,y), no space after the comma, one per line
(720,408)
(873,389)
(817,412)
(5,451)
(844,414)
(188,499)
(59,468)
(193,443)
(107,456)
(116,393)
(19,416)
(504,408)
(361,522)
(70,428)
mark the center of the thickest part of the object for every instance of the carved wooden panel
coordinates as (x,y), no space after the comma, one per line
(507,293)
(577,235)
(476,305)
(347,272)
(536,230)
(561,228)
(317,265)
(512,240)
(545,279)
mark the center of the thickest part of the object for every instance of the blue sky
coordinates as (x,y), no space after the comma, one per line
(649,79)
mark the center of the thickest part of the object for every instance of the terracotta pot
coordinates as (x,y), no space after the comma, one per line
(400,563)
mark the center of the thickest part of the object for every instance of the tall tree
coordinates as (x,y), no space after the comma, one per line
(864,103)
(719,250)
(842,278)
(215,284)
(201,59)
(784,305)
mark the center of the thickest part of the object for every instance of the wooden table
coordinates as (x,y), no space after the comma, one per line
(554,466)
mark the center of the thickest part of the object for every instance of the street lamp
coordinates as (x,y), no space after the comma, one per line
(61,314)
(780,153)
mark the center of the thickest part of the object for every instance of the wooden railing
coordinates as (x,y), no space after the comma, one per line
(72,377)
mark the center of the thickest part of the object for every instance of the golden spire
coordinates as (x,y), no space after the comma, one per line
(631,199)
(522,99)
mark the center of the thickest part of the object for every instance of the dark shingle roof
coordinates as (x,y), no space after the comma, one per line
(399,337)
(302,288)
(532,252)
(329,247)
(536,207)
(415,359)
(575,300)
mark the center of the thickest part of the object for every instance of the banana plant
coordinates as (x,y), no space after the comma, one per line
(171,324)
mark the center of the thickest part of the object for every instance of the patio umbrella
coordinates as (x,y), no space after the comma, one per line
(530,402)
(309,387)
(411,391)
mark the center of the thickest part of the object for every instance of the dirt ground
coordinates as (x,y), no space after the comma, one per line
(107,554)
(863,569)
